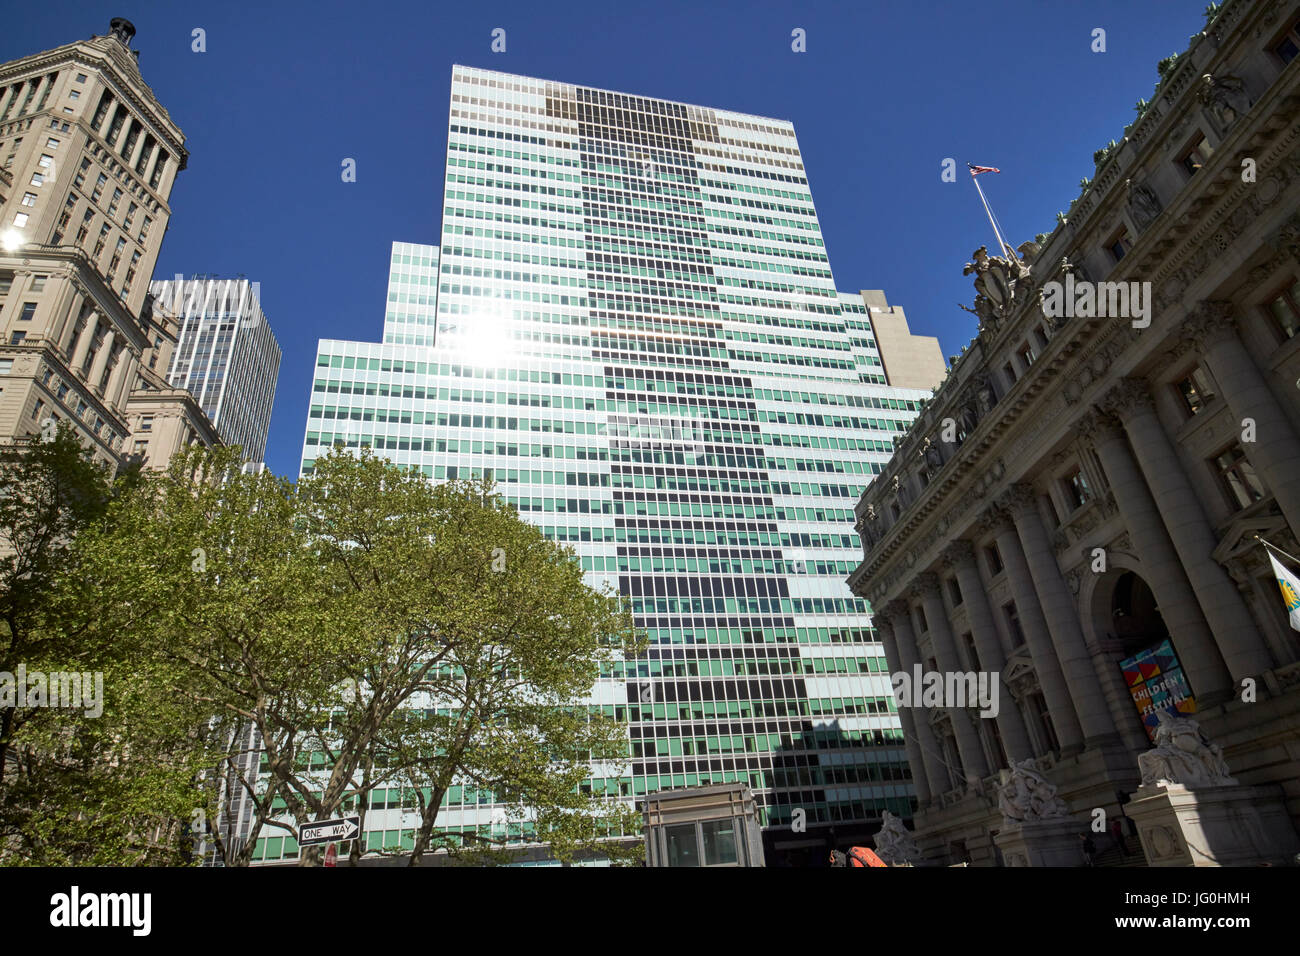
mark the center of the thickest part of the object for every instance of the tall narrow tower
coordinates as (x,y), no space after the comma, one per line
(226,355)
(89,156)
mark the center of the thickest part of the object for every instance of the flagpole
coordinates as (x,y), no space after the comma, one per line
(1273,547)
(1003,249)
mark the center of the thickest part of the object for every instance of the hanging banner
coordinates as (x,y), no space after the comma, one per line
(1155,679)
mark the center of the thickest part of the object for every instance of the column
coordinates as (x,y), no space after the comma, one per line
(926,589)
(1239,641)
(107,122)
(101,360)
(1161,569)
(960,556)
(905,642)
(920,778)
(134,158)
(82,345)
(70,309)
(113,396)
(1061,615)
(1038,638)
(1244,386)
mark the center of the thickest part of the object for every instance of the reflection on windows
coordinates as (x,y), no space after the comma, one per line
(719,838)
(680,841)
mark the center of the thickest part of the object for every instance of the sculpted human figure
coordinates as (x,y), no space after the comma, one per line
(985,397)
(993,277)
(932,455)
(894,844)
(1143,205)
(1183,755)
(1224,96)
(1028,795)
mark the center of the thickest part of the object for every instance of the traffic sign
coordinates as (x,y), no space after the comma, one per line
(327,831)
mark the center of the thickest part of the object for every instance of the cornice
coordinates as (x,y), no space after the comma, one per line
(120,73)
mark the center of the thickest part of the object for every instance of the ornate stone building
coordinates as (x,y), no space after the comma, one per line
(1088,485)
(89,157)
(163,418)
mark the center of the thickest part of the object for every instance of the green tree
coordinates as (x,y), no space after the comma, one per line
(365,627)
(483,643)
(96,784)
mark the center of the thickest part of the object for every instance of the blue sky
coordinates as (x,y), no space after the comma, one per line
(886,90)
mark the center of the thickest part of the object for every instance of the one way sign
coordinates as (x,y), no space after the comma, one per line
(327,831)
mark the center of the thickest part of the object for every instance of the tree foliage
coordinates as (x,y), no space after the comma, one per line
(363,628)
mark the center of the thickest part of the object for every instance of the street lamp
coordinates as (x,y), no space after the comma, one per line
(11,240)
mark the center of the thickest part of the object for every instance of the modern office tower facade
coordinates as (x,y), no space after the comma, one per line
(226,355)
(90,156)
(639,337)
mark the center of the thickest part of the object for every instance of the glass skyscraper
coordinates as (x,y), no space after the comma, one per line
(226,355)
(631,324)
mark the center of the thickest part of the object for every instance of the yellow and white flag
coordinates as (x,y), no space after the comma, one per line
(1289,584)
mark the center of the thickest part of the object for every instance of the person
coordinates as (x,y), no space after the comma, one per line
(1089,848)
(1117,834)
(857,856)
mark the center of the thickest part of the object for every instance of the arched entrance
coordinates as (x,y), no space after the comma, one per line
(1134,618)
(1120,611)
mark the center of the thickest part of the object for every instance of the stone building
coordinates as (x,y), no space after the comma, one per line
(910,360)
(89,159)
(1089,482)
(163,418)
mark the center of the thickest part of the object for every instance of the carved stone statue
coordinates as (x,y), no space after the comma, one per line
(985,397)
(894,844)
(1074,268)
(1225,97)
(932,455)
(1184,755)
(869,527)
(1029,252)
(968,415)
(1025,795)
(1143,205)
(995,282)
(993,277)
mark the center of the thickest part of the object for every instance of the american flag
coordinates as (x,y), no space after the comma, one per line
(976,170)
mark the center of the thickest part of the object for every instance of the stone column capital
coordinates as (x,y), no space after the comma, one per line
(960,553)
(924,585)
(992,520)
(1095,425)
(1017,500)
(1212,321)
(1127,397)
(1286,237)
(895,610)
